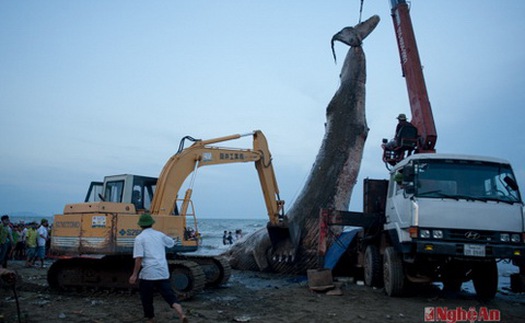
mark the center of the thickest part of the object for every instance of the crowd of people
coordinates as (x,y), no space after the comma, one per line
(24,241)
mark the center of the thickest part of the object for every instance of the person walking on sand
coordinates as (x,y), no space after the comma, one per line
(151,268)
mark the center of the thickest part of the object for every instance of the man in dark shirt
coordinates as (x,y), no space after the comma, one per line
(402,122)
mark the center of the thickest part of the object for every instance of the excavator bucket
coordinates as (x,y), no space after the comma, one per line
(285,238)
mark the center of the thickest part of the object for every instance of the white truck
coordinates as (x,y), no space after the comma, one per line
(439,218)
(449,218)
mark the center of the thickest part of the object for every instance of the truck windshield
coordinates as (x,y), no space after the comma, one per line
(465,179)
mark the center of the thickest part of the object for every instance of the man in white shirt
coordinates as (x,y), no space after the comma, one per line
(42,236)
(150,260)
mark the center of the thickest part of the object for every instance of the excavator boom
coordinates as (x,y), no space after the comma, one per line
(202,153)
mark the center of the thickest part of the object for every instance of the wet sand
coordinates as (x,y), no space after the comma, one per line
(248,297)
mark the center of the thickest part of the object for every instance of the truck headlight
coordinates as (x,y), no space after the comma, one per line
(515,237)
(424,233)
(504,237)
(437,234)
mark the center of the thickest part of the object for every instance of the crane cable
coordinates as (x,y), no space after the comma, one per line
(361,10)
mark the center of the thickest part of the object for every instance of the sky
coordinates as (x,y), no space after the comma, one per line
(96,88)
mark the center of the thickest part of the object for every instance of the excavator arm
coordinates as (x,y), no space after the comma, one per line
(204,153)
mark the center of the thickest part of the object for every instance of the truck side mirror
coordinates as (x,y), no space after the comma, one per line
(511,183)
(410,188)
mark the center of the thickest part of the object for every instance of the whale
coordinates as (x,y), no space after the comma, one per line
(333,174)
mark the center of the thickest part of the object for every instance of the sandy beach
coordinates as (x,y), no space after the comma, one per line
(248,297)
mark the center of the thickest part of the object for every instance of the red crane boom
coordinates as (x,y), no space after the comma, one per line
(420,108)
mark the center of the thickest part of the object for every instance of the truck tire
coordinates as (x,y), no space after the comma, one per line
(452,286)
(393,275)
(485,279)
(373,267)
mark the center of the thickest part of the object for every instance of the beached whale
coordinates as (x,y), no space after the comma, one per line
(334,172)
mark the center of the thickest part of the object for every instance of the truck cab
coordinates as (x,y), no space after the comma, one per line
(449,217)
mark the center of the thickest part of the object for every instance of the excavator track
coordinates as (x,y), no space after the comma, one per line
(77,273)
(187,278)
(216,268)
(112,273)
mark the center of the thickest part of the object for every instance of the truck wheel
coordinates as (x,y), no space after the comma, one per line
(452,285)
(393,275)
(485,279)
(373,267)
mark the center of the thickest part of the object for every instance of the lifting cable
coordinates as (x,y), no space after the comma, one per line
(361,10)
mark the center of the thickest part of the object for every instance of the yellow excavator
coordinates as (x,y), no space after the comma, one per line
(92,242)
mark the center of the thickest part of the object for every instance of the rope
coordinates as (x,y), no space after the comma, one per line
(361,10)
(17,304)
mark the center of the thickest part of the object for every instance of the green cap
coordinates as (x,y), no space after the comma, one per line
(43,221)
(145,220)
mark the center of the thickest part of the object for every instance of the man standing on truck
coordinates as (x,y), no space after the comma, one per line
(149,251)
(402,122)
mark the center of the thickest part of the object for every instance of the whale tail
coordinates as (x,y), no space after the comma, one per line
(354,36)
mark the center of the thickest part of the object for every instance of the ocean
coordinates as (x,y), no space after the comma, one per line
(211,230)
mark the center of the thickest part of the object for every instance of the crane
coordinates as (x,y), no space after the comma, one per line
(422,117)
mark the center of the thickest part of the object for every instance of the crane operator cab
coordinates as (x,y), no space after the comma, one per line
(404,143)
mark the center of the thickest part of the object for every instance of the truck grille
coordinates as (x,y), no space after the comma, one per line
(471,236)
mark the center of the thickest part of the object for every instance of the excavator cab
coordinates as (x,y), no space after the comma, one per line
(126,188)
